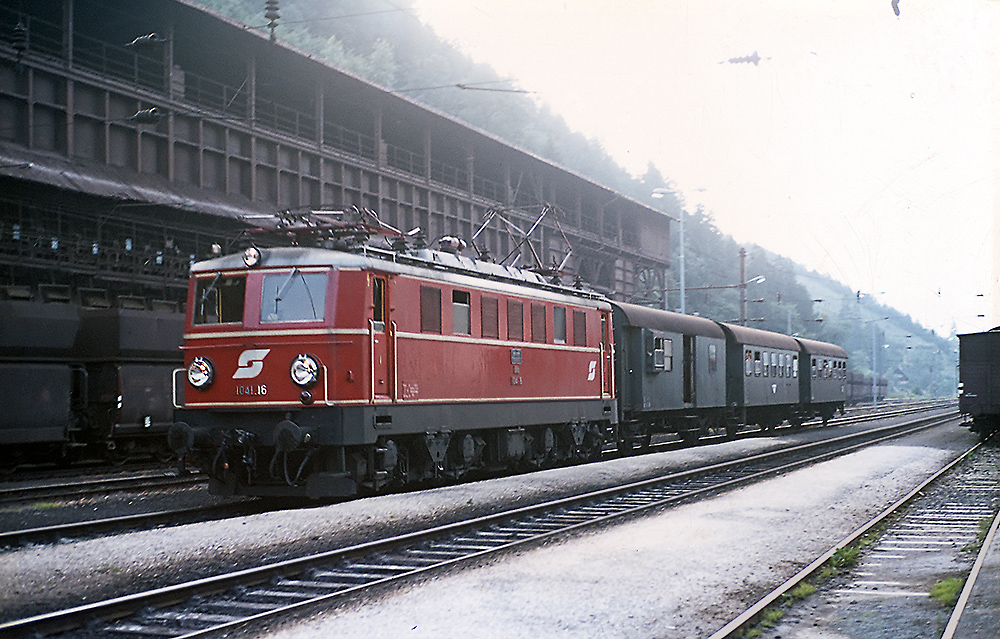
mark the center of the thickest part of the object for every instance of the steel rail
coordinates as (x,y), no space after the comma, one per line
(300,582)
(963,598)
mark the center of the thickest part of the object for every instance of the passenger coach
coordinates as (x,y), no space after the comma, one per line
(671,372)
(326,373)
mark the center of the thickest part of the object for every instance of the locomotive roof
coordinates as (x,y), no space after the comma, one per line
(425,263)
(668,321)
(757,337)
(814,347)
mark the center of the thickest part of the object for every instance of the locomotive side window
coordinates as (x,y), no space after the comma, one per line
(559,325)
(430,309)
(461,313)
(579,328)
(219,300)
(515,321)
(378,303)
(293,297)
(537,322)
(490,317)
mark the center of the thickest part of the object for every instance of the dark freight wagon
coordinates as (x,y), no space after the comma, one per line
(979,380)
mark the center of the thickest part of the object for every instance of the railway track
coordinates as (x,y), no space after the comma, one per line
(228,601)
(177,516)
(80,487)
(916,536)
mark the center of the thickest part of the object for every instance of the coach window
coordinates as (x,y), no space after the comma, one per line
(748,363)
(788,365)
(559,325)
(781,365)
(538,323)
(766,361)
(430,309)
(814,368)
(293,297)
(774,364)
(461,313)
(515,321)
(219,300)
(795,366)
(490,317)
(756,363)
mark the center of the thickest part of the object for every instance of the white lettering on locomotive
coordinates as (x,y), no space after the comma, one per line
(251,390)
(592,373)
(251,363)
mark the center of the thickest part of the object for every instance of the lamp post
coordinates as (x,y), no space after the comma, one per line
(659,193)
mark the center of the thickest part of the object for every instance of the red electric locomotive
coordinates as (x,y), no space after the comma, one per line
(338,368)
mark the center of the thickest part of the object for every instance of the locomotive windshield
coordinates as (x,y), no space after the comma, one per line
(219,300)
(293,297)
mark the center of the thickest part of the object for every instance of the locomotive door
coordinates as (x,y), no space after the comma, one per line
(607,357)
(380,329)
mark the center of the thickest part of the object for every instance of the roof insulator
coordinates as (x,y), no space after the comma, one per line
(272,13)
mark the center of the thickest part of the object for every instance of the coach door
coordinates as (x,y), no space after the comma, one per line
(380,328)
(689,370)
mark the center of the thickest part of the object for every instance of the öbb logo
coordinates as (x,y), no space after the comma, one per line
(251,363)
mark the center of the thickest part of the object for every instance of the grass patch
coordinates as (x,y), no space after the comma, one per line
(946,592)
(984,529)
(846,557)
(802,591)
(45,505)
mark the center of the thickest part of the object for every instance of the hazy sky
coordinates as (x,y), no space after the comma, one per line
(862,145)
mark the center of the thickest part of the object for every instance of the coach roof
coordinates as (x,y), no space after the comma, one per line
(659,320)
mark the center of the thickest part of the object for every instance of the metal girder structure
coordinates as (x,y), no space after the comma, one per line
(216,121)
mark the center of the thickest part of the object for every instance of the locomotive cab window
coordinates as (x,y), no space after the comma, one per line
(293,297)
(219,299)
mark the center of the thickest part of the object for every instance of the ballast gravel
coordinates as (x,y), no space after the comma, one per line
(675,574)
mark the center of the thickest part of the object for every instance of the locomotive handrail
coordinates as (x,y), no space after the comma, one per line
(394,373)
(174,389)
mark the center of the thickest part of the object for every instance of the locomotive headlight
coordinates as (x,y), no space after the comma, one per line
(201,373)
(304,370)
(251,256)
